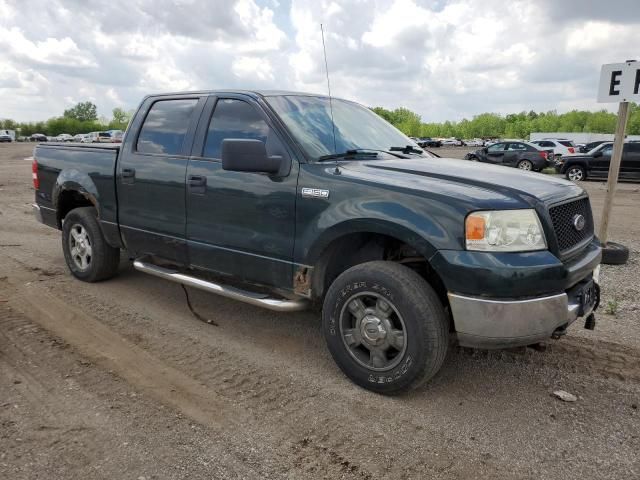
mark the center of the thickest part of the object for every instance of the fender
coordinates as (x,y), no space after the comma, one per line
(369,225)
(76,181)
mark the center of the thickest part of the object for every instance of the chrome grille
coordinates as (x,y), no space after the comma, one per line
(562,217)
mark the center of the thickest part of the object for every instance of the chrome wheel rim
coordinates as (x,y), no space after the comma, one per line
(575,174)
(80,247)
(373,331)
(525,165)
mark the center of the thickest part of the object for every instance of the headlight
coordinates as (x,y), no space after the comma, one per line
(504,231)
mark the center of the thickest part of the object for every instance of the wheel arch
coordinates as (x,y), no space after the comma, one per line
(343,247)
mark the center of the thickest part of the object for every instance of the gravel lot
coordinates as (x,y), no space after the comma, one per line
(120,380)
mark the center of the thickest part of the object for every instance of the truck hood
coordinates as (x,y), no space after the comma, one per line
(466,180)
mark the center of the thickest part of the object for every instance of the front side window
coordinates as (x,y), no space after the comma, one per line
(497,147)
(308,118)
(165,127)
(233,119)
(608,150)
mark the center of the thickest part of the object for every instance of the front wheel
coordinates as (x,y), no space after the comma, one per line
(385,327)
(576,173)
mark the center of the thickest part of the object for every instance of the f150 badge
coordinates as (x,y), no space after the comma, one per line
(314,193)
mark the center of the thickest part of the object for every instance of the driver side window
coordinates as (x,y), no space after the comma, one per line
(233,119)
(496,148)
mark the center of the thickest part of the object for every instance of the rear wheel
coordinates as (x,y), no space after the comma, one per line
(525,165)
(576,173)
(89,257)
(385,327)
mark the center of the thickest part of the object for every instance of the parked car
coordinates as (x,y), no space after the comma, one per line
(79,137)
(402,250)
(115,136)
(64,137)
(452,142)
(474,142)
(7,135)
(522,155)
(428,142)
(590,146)
(38,137)
(595,164)
(560,146)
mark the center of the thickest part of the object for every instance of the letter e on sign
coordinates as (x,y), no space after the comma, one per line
(619,82)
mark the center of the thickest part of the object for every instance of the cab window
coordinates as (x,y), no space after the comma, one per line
(165,127)
(233,119)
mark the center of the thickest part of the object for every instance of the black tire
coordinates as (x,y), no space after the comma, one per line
(575,173)
(100,258)
(614,254)
(415,309)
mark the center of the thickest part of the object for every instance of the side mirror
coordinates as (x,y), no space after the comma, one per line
(598,153)
(248,155)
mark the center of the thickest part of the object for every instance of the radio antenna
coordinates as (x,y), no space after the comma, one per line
(326,69)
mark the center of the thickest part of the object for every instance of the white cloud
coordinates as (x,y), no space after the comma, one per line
(444,60)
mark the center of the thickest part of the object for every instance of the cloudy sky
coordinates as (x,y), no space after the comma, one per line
(445,59)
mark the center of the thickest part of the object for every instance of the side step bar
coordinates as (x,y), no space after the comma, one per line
(253,298)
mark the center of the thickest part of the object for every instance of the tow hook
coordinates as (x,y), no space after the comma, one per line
(590,322)
(559,332)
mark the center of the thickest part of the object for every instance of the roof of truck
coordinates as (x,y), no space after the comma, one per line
(257,93)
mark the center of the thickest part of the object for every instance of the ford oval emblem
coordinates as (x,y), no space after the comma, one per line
(579,222)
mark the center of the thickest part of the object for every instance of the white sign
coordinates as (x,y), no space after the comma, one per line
(619,82)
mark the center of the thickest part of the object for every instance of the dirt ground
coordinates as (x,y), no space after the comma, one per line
(119,380)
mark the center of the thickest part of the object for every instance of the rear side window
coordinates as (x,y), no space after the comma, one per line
(233,119)
(632,147)
(517,146)
(165,127)
(566,143)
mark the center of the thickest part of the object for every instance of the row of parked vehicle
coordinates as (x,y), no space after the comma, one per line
(108,136)
(428,142)
(575,162)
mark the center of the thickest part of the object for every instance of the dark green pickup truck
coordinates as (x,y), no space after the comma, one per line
(285,200)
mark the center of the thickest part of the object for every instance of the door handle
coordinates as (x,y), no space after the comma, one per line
(128,172)
(197,181)
(197,184)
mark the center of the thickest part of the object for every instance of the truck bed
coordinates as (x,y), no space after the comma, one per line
(75,167)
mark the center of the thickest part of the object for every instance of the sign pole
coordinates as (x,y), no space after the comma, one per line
(614,169)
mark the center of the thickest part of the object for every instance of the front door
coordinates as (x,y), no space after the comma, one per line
(495,153)
(599,166)
(151,178)
(239,223)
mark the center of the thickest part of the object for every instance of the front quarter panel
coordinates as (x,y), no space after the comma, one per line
(356,205)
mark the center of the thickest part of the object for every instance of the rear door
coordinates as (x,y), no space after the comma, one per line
(151,177)
(240,223)
(630,166)
(515,152)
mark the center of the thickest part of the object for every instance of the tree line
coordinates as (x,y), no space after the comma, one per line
(82,118)
(515,125)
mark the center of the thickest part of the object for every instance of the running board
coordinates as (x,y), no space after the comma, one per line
(253,298)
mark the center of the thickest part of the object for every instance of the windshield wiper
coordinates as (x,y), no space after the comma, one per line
(360,152)
(406,149)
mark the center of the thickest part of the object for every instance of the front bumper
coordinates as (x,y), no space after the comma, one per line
(487,323)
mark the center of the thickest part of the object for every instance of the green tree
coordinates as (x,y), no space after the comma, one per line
(83,111)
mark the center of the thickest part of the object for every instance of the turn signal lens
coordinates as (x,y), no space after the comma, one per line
(504,231)
(474,227)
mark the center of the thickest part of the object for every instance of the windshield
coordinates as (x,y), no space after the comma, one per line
(356,127)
